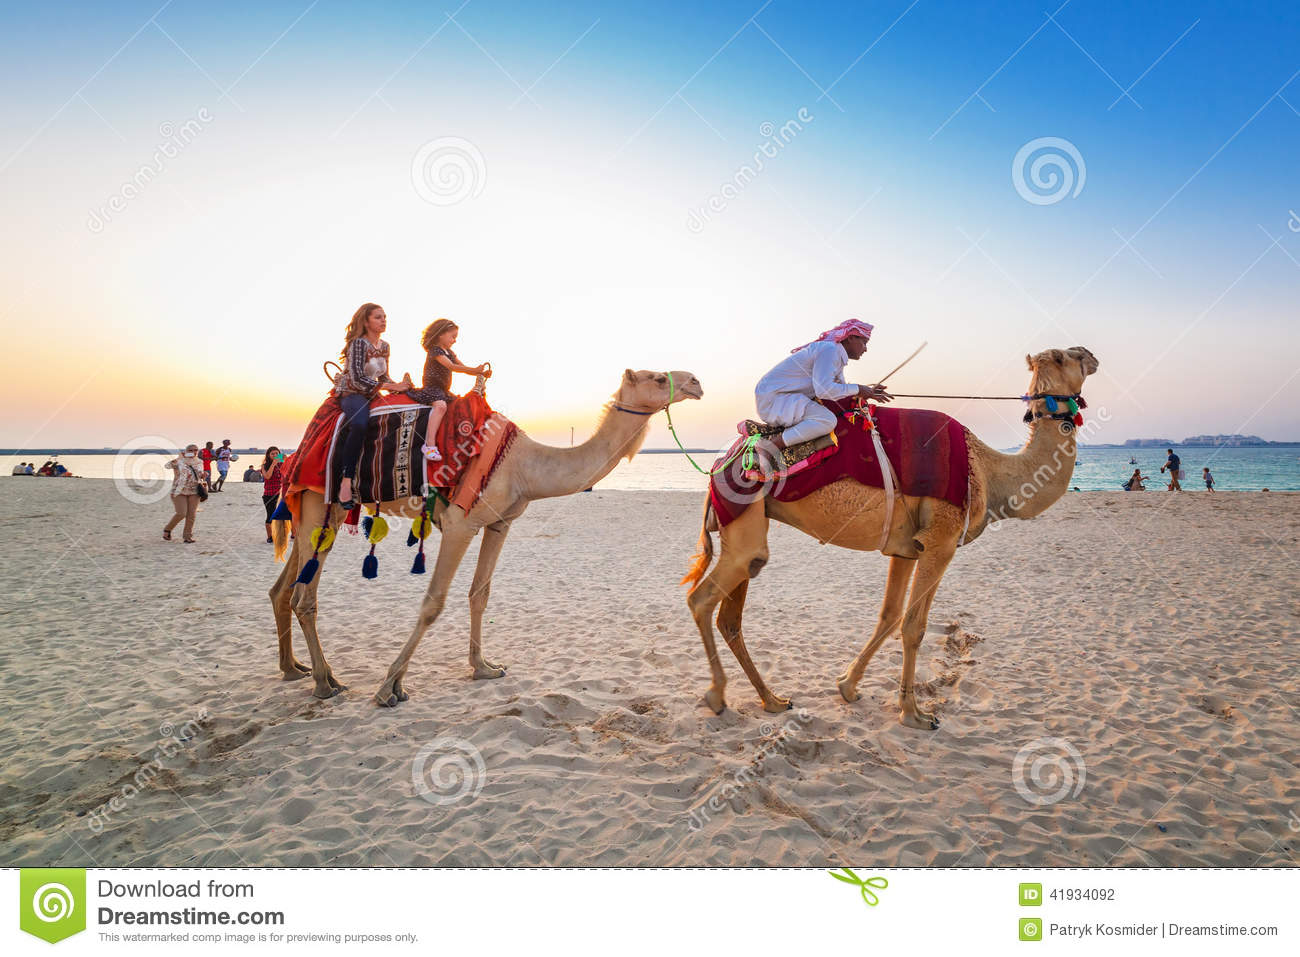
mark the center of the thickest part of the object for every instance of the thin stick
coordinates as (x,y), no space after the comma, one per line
(905,361)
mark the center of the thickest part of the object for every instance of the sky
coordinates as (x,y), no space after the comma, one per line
(198,196)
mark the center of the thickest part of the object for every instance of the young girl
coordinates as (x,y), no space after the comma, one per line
(441,362)
(365,372)
(272,472)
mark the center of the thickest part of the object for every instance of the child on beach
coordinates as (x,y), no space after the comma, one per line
(1209,479)
(365,372)
(439,364)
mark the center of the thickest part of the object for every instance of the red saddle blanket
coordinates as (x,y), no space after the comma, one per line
(471,437)
(926,448)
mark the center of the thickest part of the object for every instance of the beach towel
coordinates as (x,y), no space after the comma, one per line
(927,450)
(472,437)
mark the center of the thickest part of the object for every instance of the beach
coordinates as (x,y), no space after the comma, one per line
(1118,683)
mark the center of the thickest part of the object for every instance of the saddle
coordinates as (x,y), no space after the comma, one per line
(788,461)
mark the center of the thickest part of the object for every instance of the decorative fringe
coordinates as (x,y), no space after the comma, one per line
(370,566)
(417,567)
(410,538)
(308,571)
(281,513)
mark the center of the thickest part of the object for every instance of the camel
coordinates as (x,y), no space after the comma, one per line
(528,471)
(923,536)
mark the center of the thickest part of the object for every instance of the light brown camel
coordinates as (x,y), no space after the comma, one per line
(923,536)
(528,471)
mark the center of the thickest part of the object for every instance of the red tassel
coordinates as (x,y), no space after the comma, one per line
(1078,418)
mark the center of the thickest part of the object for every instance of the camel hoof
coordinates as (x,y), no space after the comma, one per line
(777,706)
(294,675)
(921,721)
(716,702)
(389,702)
(326,691)
(492,671)
(848,691)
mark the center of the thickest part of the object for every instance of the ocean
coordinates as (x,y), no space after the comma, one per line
(1101,469)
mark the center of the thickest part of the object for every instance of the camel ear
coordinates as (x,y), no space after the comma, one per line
(1058,356)
(629,375)
(1029,361)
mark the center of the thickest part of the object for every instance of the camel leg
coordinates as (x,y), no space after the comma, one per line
(456,536)
(929,572)
(494,537)
(743,554)
(303,598)
(891,613)
(729,624)
(291,669)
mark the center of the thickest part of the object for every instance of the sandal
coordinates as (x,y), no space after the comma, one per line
(431,453)
(190,541)
(167,535)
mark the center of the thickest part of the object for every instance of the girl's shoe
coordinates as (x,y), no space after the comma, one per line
(431,453)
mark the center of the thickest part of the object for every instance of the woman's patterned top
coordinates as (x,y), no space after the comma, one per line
(273,480)
(365,368)
(437,378)
(188,475)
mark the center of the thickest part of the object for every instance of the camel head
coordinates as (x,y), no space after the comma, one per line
(1061,371)
(651,391)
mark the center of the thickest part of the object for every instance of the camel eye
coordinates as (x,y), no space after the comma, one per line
(661,379)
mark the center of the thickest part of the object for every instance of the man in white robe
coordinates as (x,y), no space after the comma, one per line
(788,394)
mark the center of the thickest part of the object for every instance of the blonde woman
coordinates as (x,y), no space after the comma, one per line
(185,491)
(365,372)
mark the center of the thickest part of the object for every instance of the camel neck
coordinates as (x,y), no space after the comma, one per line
(559,471)
(1026,483)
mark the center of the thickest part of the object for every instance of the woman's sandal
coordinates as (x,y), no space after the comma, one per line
(167,535)
(431,453)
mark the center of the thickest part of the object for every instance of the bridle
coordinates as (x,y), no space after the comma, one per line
(1063,408)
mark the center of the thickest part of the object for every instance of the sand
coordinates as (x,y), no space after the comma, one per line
(1143,645)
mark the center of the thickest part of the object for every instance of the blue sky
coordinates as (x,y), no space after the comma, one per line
(594,131)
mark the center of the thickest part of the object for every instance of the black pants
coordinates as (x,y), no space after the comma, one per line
(269,502)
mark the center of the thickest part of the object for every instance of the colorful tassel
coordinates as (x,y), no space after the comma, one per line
(1074,406)
(410,538)
(308,571)
(1082,404)
(1078,418)
(417,567)
(1051,403)
(370,566)
(366,523)
(282,513)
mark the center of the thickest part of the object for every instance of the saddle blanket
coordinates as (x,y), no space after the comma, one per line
(472,438)
(927,450)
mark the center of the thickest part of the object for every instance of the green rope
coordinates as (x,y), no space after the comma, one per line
(750,461)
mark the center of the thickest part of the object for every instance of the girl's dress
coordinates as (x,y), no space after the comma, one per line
(437,379)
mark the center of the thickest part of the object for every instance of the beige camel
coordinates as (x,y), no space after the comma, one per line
(528,471)
(923,536)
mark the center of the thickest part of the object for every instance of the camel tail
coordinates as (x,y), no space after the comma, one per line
(280,537)
(704,557)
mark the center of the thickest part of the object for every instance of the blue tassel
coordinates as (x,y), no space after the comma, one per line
(370,567)
(308,572)
(417,568)
(411,539)
(281,513)
(365,529)
(1051,404)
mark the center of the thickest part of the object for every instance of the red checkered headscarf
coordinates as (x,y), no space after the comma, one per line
(849,327)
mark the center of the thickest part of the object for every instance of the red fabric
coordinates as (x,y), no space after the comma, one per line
(275,481)
(206,455)
(305,468)
(926,448)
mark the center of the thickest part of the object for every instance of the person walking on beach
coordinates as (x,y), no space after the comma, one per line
(439,364)
(1174,464)
(223,463)
(206,455)
(1209,479)
(272,473)
(365,372)
(185,491)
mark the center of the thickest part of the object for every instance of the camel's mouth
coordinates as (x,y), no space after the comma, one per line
(692,392)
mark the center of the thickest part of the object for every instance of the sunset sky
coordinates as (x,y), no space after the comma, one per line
(543,174)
